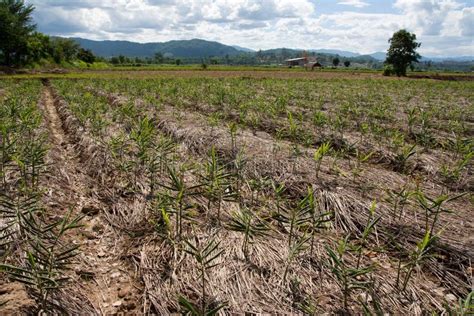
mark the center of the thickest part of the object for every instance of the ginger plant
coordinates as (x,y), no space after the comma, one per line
(433,208)
(293,252)
(48,256)
(401,158)
(256,187)
(143,136)
(452,174)
(319,154)
(118,146)
(465,306)
(423,251)
(20,219)
(278,192)
(34,153)
(399,199)
(293,126)
(296,217)
(247,223)
(347,277)
(205,256)
(412,117)
(317,220)
(217,183)
(295,153)
(178,191)
(7,148)
(233,136)
(360,159)
(156,161)
(238,168)
(319,119)
(370,226)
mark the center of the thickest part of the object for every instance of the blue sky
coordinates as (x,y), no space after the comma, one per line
(444,27)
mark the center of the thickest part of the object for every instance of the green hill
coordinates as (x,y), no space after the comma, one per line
(194,48)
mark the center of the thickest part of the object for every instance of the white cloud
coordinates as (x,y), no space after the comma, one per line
(466,22)
(444,26)
(427,16)
(354,3)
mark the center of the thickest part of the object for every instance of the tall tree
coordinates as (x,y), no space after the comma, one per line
(16,25)
(64,49)
(402,52)
(39,47)
(336,61)
(85,55)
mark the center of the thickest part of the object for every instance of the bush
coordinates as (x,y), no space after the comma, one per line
(388,70)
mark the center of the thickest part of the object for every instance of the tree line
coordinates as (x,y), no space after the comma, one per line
(21,44)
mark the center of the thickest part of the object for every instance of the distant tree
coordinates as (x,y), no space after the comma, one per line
(16,27)
(86,55)
(115,60)
(159,58)
(336,61)
(64,49)
(402,52)
(121,59)
(347,63)
(178,62)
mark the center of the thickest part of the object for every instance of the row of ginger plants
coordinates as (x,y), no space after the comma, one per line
(33,247)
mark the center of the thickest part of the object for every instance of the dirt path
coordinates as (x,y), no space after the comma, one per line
(102,282)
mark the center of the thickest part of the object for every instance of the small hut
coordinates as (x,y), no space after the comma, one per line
(292,62)
(310,63)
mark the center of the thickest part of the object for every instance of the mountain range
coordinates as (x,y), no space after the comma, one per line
(198,48)
(194,48)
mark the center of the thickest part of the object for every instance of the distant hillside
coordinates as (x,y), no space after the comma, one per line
(379,56)
(243,49)
(341,53)
(194,48)
(450,59)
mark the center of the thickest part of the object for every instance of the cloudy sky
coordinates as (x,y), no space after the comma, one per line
(445,27)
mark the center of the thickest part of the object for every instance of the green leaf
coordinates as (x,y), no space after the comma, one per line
(188,307)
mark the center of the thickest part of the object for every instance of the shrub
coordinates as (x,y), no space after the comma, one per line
(388,70)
